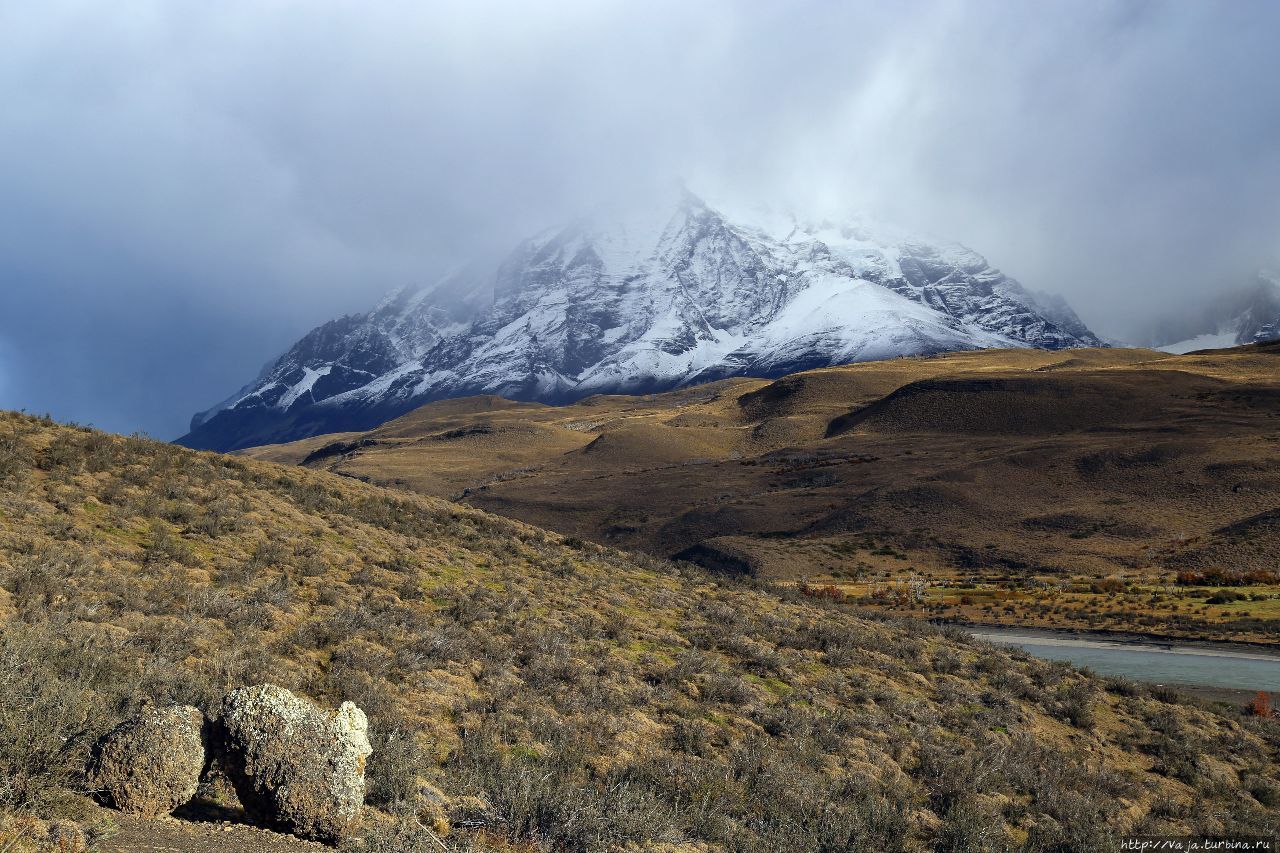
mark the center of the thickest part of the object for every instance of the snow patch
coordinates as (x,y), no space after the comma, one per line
(1221,340)
(304,386)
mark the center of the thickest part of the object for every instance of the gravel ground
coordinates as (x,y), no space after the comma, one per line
(171,835)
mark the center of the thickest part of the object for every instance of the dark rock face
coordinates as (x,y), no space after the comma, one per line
(641,301)
(717,557)
(294,766)
(151,763)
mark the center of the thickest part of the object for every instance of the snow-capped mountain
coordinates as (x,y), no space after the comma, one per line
(1246,316)
(636,301)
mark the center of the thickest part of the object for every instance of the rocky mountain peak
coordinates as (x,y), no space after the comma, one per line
(642,298)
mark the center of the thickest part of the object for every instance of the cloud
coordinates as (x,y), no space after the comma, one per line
(190,186)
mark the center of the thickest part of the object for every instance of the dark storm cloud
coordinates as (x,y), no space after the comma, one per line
(189,186)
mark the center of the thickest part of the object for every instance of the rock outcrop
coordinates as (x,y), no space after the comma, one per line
(151,763)
(294,766)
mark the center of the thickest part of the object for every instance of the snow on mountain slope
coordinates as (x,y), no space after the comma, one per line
(1245,316)
(641,300)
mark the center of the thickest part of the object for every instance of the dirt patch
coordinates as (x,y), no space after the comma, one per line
(171,835)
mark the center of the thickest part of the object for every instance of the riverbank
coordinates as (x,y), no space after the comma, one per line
(1227,696)
(1127,638)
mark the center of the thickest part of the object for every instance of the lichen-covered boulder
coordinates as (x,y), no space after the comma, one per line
(151,763)
(295,767)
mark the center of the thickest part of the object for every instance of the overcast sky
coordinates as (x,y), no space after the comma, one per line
(187,187)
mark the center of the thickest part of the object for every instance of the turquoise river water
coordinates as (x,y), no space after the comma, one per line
(1159,663)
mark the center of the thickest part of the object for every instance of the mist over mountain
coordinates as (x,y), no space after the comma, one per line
(641,298)
(1247,314)
(191,187)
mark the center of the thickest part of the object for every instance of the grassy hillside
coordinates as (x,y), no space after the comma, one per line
(528,692)
(1106,489)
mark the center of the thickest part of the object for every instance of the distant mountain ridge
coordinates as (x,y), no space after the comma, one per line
(1248,315)
(638,301)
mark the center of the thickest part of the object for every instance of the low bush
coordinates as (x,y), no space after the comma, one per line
(51,713)
(1221,576)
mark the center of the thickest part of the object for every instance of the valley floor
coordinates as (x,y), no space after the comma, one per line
(1100,490)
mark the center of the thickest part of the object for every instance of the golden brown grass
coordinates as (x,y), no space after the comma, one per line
(552,694)
(1027,474)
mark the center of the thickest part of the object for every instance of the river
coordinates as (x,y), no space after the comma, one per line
(1195,665)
